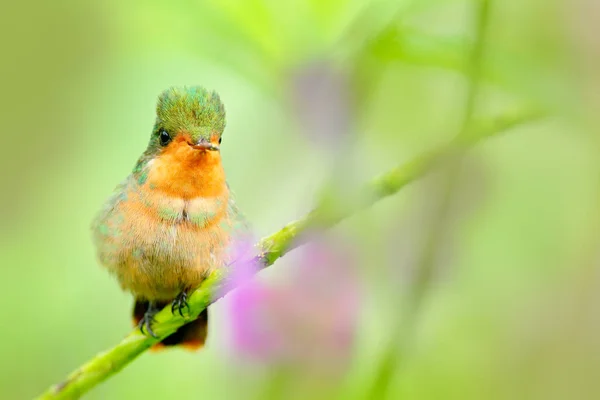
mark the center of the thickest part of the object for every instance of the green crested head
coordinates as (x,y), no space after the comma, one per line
(189,115)
(191,107)
(191,110)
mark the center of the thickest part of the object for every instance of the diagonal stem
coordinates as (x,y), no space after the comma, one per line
(106,364)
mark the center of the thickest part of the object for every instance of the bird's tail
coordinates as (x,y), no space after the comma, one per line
(191,336)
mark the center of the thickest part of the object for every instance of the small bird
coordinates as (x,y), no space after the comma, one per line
(169,223)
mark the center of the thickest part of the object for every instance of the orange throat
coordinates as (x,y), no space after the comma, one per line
(184,172)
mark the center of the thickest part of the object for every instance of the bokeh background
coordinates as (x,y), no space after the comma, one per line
(315,89)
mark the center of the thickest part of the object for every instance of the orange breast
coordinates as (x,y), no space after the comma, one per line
(170,231)
(181,171)
(164,245)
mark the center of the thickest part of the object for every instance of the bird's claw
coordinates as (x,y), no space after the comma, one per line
(180,303)
(147,321)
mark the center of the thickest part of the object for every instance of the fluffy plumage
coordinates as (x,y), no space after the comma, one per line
(168,225)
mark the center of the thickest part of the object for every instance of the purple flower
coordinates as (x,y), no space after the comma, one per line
(307,320)
(243,263)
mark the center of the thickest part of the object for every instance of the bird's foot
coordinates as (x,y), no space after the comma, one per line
(180,303)
(148,319)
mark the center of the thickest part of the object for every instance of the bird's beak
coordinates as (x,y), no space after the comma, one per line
(204,145)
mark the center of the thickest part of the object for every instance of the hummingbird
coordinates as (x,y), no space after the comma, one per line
(168,225)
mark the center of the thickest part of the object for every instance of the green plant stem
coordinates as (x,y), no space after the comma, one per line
(106,364)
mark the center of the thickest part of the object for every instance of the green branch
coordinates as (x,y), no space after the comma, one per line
(271,248)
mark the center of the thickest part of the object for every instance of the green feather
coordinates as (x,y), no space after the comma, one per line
(190,108)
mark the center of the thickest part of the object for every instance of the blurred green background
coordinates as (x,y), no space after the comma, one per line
(512,309)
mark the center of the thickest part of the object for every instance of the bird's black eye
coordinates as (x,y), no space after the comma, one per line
(164,137)
(220,139)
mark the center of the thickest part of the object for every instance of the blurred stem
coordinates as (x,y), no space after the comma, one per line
(425,270)
(271,248)
(476,60)
(426,267)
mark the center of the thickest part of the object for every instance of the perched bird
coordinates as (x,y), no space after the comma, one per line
(169,223)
